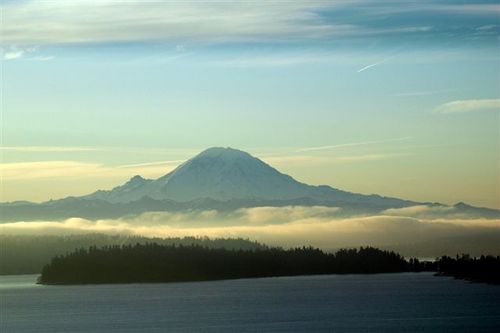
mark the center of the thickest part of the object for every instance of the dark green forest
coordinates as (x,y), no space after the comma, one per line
(99,258)
(481,269)
(27,254)
(170,263)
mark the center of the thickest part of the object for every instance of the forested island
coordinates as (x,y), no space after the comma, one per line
(113,259)
(158,263)
(171,263)
(27,254)
(152,262)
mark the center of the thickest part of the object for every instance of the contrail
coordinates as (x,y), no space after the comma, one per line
(152,163)
(375,64)
(352,144)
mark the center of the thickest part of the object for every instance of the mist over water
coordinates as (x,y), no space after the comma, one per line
(416,231)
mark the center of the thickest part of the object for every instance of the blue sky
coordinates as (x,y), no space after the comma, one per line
(399,98)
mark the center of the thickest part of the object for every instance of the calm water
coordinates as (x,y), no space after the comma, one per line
(349,303)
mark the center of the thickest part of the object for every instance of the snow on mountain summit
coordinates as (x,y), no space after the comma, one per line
(225,174)
(216,173)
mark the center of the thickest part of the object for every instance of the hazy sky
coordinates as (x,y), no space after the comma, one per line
(399,98)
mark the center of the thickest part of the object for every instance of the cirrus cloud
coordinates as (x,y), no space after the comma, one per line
(108,21)
(78,170)
(469,105)
(50,22)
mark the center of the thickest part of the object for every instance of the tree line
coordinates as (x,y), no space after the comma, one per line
(480,269)
(27,254)
(153,262)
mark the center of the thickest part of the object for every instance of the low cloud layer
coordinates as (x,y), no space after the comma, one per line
(427,212)
(294,226)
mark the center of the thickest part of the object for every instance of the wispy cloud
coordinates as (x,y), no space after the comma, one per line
(309,160)
(35,22)
(422,211)
(472,9)
(78,170)
(174,162)
(184,22)
(368,157)
(48,169)
(118,149)
(469,105)
(278,160)
(10,55)
(353,144)
(48,148)
(15,52)
(488,27)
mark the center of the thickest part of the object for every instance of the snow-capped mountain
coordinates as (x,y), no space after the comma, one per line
(227,174)
(223,179)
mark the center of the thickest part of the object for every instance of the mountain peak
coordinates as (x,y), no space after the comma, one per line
(224,174)
(222,151)
(136,180)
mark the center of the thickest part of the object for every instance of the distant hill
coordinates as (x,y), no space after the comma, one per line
(217,178)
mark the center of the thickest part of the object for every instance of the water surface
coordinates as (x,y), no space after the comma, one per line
(408,302)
